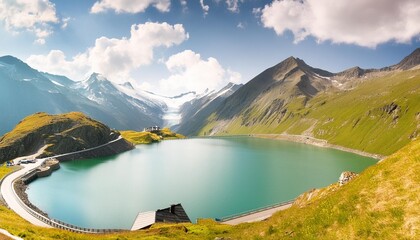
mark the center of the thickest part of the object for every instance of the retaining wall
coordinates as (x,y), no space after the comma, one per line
(109,149)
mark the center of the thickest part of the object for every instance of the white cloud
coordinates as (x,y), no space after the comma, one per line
(192,73)
(256,11)
(205,7)
(233,5)
(130,6)
(32,15)
(114,58)
(184,5)
(65,22)
(360,22)
(55,62)
(241,25)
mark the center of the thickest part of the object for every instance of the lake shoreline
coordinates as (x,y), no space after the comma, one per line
(315,142)
(252,148)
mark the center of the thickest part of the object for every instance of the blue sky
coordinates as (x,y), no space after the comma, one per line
(173,46)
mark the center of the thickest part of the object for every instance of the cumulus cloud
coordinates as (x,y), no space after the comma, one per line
(114,58)
(360,22)
(55,62)
(205,7)
(189,72)
(130,6)
(35,16)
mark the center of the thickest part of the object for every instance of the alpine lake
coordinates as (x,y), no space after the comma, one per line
(210,177)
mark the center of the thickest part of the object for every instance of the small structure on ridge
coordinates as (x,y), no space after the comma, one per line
(152,129)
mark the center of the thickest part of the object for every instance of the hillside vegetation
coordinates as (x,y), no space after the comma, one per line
(379,115)
(150,137)
(381,203)
(60,133)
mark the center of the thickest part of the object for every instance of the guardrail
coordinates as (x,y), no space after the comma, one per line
(257,210)
(53,222)
(56,223)
(60,156)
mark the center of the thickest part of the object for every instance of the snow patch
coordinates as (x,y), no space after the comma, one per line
(57,83)
(171,106)
(317,75)
(172,114)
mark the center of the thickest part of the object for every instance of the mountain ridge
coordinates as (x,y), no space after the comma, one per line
(291,97)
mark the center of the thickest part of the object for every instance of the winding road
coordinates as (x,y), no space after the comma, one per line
(9,194)
(11,198)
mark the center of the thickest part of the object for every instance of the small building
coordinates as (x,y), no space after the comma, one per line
(173,214)
(152,129)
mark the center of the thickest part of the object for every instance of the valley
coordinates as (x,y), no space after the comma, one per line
(374,112)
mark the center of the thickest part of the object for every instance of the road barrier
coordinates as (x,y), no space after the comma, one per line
(56,223)
(257,210)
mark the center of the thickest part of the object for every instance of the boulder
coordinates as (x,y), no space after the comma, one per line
(346,177)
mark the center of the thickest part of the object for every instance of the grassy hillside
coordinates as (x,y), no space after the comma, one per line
(379,115)
(60,133)
(379,204)
(149,137)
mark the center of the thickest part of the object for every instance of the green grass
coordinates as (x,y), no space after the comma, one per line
(381,203)
(355,118)
(36,121)
(148,137)
(140,137)
(60,133)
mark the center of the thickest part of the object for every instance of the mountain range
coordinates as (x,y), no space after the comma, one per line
(380,107)
(26,91)
(374,105)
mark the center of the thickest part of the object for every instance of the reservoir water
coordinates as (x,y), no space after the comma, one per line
(211,177)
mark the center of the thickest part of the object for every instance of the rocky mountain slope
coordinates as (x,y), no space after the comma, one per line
(195,112)
(25,91)
(57,133)
(379,107)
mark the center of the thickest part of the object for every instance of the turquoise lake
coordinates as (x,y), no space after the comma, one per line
(210,177)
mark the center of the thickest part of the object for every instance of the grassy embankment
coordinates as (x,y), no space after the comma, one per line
(149,137)
(382,203)
(60,133)
(380,115)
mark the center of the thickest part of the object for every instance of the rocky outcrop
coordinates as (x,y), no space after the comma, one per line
(410,61)
(346,177)
(118,146)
